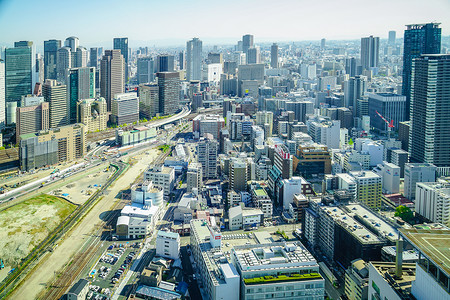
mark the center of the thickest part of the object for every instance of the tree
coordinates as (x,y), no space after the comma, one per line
(404,212)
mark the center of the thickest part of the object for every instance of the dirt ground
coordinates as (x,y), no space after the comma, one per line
(25,225)
(80,190)
(44,272)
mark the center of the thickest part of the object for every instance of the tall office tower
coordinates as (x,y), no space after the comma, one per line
(93,57)
(55,94)
(430,109)
(247,42)
(207,155)
(264,118)
(194,176)
(370,50)
(145,70)
(148,100)
(238,174)
(274,56)
(81,58)
(39,69)
(182,60)
(351,66)
(165,63)
(72,42)
(50,51)
(354,89)
(20,64)
(112,68)
(122,45)
(390,106)
(253,55)
(391,40)
(323,43)
(215,58)
(169,92)
(92,113)
(194,59)
(125,108)
(63,63)
(33,115)
(81,86)
(419,39)
(2,96)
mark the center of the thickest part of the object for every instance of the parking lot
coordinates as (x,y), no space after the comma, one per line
(110,268)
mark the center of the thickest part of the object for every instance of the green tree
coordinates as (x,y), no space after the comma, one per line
(404,212)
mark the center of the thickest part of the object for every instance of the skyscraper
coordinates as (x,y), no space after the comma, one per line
(63,63)
(122,45)
(391,40)
(370,48)
(112,68)
(354,89)
(50,51)
(274,56)
(19,70)
(253,55)
(72,42)
(165,63)
(247,42)
(429,137)
(182,60)
(419,39)
(81,86)
(207,155)
(81,58)
(55,94)
(169,92)
(148,100)
(145,70)
(323,43)
(93,57)
(194,59)
(2,96)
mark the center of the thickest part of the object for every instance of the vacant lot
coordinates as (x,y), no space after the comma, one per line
(26,224)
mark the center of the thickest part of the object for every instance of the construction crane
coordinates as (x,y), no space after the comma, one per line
(389,124)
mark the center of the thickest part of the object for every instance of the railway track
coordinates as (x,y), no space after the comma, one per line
(10,282)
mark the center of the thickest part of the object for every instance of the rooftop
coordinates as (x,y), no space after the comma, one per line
(433,244)
(401,285)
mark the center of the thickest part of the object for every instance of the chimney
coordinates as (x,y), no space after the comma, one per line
(399,259)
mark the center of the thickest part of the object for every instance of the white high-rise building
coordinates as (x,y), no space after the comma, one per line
(168,244)
(415,173)
(433,201)
(207,148)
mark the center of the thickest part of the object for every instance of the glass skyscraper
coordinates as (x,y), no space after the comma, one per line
(19,63)
(419,39)
(122,45)
(81,86)
(50,51)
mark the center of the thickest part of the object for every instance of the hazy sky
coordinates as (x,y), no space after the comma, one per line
(166,22)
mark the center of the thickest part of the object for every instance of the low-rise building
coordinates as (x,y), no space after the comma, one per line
(138,134)
(147,194)
(356,280)
(168,244)
(277,270)
(241,217)
(79,290)
(161,176)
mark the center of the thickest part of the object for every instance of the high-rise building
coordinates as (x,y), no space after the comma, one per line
(145,70)
(433,200)
(194,177)
(93,114)
(238,175)
(148,100)
(215,58)
(165,63)
(169,92)
(81,86)
(203,124)
(254,55)
(48,147)
(32,116)
(323,43)
(430,107)
(194,59)
(125,108)
(56,94)
(390,106)
(370,48)
(19,71)
(264,118)
(419,39)
(274,56)
(247,42)
(368,188)
(63,64)
(2,96)
(182,60)
(93,57)
(50,53)
(391,40)
(122,45)
(81,58)
(112,68)
(354,89)
(72,42)
(207,148)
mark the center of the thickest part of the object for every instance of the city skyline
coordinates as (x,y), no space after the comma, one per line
(348,18)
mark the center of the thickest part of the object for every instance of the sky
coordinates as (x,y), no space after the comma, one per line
(172,22)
